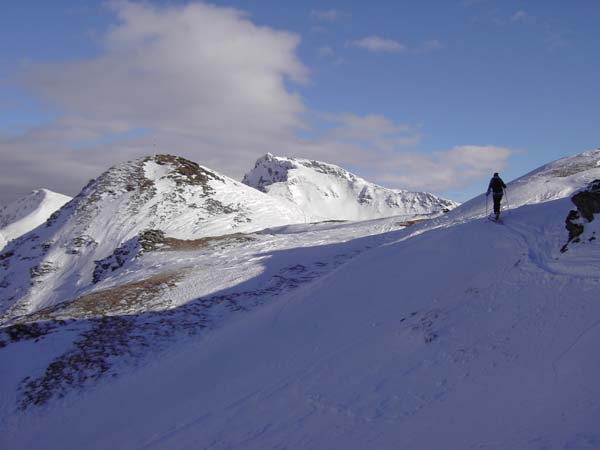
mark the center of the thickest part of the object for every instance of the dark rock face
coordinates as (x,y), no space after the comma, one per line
(588,204)
(146,241)
(588,201)
(575,229)
(185,172)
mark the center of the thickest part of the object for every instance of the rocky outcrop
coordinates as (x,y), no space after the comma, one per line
(588,204)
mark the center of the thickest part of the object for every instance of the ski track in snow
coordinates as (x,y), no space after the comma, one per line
(395,392)
(454,333)
(151,332)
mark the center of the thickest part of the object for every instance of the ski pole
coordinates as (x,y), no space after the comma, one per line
(507,202)
(486,204)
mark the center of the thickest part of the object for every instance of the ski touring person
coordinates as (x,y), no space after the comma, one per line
(496,187)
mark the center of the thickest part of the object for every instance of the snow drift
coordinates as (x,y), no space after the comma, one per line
(27,213)
(454,333)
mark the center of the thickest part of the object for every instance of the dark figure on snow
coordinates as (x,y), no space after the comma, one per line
(496,187)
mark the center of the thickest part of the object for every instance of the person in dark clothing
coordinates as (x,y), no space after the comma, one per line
(496,187)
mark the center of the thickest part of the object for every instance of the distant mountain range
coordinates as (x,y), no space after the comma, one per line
(86,239)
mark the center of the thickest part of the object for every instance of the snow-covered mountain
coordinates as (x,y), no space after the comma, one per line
(27,213)
(455,333)
(552,181)
(107,225)
(327,192)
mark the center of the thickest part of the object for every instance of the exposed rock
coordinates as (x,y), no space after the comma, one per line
(588,204)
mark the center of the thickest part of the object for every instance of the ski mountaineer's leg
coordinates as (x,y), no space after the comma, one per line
(497,201)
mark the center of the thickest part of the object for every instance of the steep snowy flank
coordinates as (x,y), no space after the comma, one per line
(469,336)
(552,181)
(327,192)
(104,227)
(25,214)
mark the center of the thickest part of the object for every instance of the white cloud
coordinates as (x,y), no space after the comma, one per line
(203,80)
(384,152)
(205,83)
(379,44)
(376,131)
(194,68)
(330,15)
(451,169)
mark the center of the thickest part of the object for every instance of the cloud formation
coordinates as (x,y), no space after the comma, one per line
(451,169)
(380,45)
(383,151)
(206,83)
(202,80)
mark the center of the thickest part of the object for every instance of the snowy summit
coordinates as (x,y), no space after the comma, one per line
(328,192)
(92,234)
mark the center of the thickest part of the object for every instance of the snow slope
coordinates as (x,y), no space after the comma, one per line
(327,192)
(455,333)
(27,213)
(475,335)
(98,232)
(558,179)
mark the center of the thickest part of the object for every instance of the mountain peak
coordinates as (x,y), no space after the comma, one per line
(327,192)
(141,174)
(165,193)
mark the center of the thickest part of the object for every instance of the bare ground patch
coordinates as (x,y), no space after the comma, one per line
(172,244)
(119,300)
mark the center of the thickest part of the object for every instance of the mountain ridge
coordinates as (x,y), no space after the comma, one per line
(161,192)
(28,212)
(333,335)
(328,192)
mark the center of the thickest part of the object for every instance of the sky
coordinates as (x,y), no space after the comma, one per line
(428,95)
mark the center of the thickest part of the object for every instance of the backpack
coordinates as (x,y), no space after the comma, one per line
(496,184)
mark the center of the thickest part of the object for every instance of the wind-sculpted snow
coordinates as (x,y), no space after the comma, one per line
(119,326)
(326,192)
(27,213)
(454,332)
(453,338)
(553,181)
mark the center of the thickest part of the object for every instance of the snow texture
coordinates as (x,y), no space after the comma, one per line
(325,192)
(57,262)
(27,213)
(452,332)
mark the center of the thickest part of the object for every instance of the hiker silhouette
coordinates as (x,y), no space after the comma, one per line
(496,187)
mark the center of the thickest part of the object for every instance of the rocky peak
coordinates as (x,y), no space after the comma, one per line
(325,191)
(269,169)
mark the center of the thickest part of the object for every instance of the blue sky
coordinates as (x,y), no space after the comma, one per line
(431,95)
